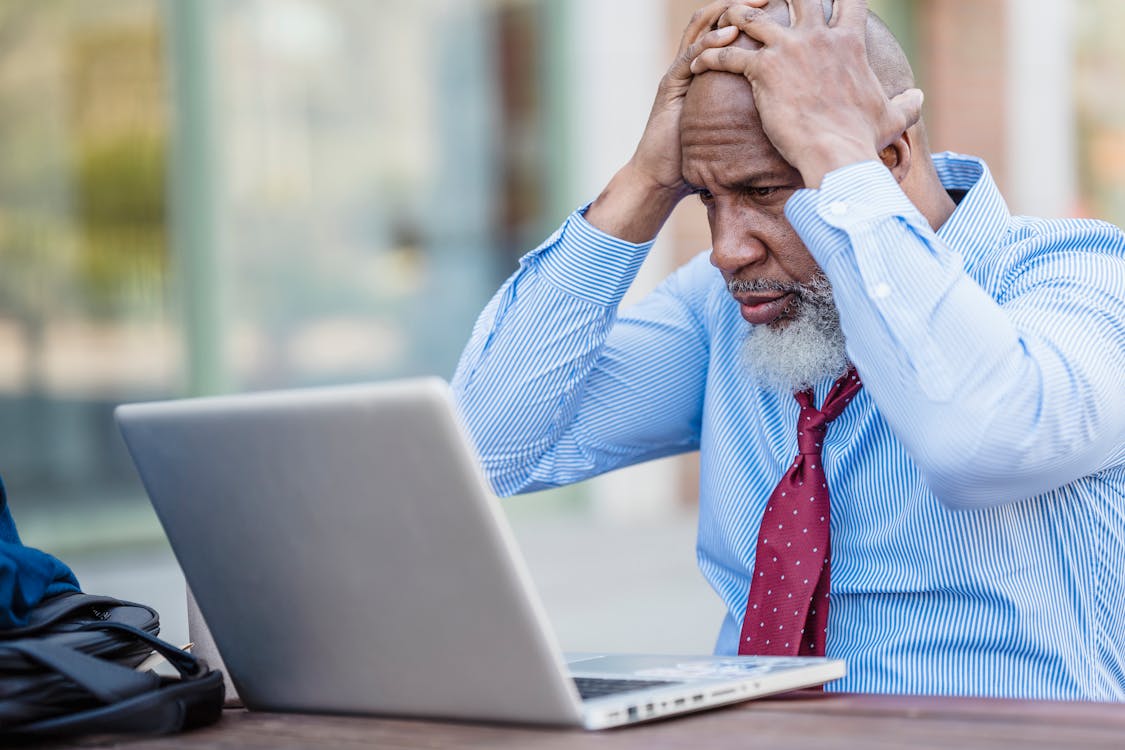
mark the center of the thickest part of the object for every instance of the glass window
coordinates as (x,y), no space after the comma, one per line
(230,195)
(85,319)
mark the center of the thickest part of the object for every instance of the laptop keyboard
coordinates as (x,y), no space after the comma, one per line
(596,687)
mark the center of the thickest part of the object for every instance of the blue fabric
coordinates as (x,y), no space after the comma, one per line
(977,481)
(27,576)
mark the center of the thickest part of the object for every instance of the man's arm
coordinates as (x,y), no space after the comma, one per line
(552,386)
(555,388)
(995,402)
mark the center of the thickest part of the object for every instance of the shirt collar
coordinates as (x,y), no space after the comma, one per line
(982,217)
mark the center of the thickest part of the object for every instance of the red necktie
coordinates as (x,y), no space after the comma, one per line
(787,612)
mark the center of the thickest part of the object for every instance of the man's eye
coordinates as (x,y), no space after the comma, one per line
(763,192)
(705,195)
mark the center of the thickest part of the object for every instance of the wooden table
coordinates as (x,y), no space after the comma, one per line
(793,722)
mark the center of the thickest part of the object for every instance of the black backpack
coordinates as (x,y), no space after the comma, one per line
(72,670)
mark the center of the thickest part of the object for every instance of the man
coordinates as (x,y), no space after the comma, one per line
(870,323)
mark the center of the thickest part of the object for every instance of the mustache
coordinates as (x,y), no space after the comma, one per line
(741,286)
(815,293)
(819,287)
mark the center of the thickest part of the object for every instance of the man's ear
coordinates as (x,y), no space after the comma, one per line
(897,156)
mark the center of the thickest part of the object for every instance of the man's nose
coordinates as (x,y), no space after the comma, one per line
(734,246)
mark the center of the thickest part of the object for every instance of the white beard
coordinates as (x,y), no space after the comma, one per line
(807,349)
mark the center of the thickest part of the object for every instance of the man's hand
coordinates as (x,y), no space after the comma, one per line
(658,154)
(820,103)
(640,197)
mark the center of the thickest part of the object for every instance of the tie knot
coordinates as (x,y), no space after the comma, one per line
(812,426)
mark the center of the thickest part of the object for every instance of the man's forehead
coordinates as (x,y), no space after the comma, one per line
(720,128)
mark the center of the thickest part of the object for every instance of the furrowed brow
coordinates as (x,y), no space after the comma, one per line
(772,178)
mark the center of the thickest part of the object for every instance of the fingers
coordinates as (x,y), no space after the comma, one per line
(700,21)
(806,13)
(706,18)
(906,110)
(757,24)
(725,19)
(849,14)
(728,59)
(710,41)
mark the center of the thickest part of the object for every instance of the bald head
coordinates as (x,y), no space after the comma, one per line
(884,54)
(718,104)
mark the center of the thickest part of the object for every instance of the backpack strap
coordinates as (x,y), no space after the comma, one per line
(54,610)
(132,701)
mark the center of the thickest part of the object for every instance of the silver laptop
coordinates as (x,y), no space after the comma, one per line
(348,557)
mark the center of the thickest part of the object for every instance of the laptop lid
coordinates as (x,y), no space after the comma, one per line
(347,556)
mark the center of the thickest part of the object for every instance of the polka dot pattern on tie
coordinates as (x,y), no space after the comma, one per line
(802,536)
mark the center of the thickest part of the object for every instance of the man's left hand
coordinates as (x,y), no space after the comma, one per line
(819,101)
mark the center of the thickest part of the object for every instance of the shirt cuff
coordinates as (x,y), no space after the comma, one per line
(848,199)
(584,261)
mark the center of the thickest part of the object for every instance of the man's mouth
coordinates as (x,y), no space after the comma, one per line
(760,309)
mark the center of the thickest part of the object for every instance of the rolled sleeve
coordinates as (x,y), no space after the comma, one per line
(849,200)
(587,263)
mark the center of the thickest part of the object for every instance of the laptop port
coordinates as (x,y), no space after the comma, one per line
(697,698)
(632,712)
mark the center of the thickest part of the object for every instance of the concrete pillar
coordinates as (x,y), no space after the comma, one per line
(195,189)
(1041,139)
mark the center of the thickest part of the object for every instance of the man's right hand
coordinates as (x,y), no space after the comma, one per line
(640,197)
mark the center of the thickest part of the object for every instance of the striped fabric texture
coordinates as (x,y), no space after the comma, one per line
(977,481)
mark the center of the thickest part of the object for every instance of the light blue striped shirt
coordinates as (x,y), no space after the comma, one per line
(977,481)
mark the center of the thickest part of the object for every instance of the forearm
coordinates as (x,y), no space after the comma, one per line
(521,378)
(993,403)
(632,207)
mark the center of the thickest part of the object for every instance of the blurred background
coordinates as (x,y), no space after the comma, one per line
(208,196)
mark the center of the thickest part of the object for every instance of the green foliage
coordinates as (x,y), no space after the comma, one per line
(120,212)
(121,183)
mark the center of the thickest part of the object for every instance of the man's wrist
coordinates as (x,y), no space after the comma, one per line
(633,207)
(821,158)
(588,263)
(850,197)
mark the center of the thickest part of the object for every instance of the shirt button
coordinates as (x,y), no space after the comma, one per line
(881,291)
(838,208)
